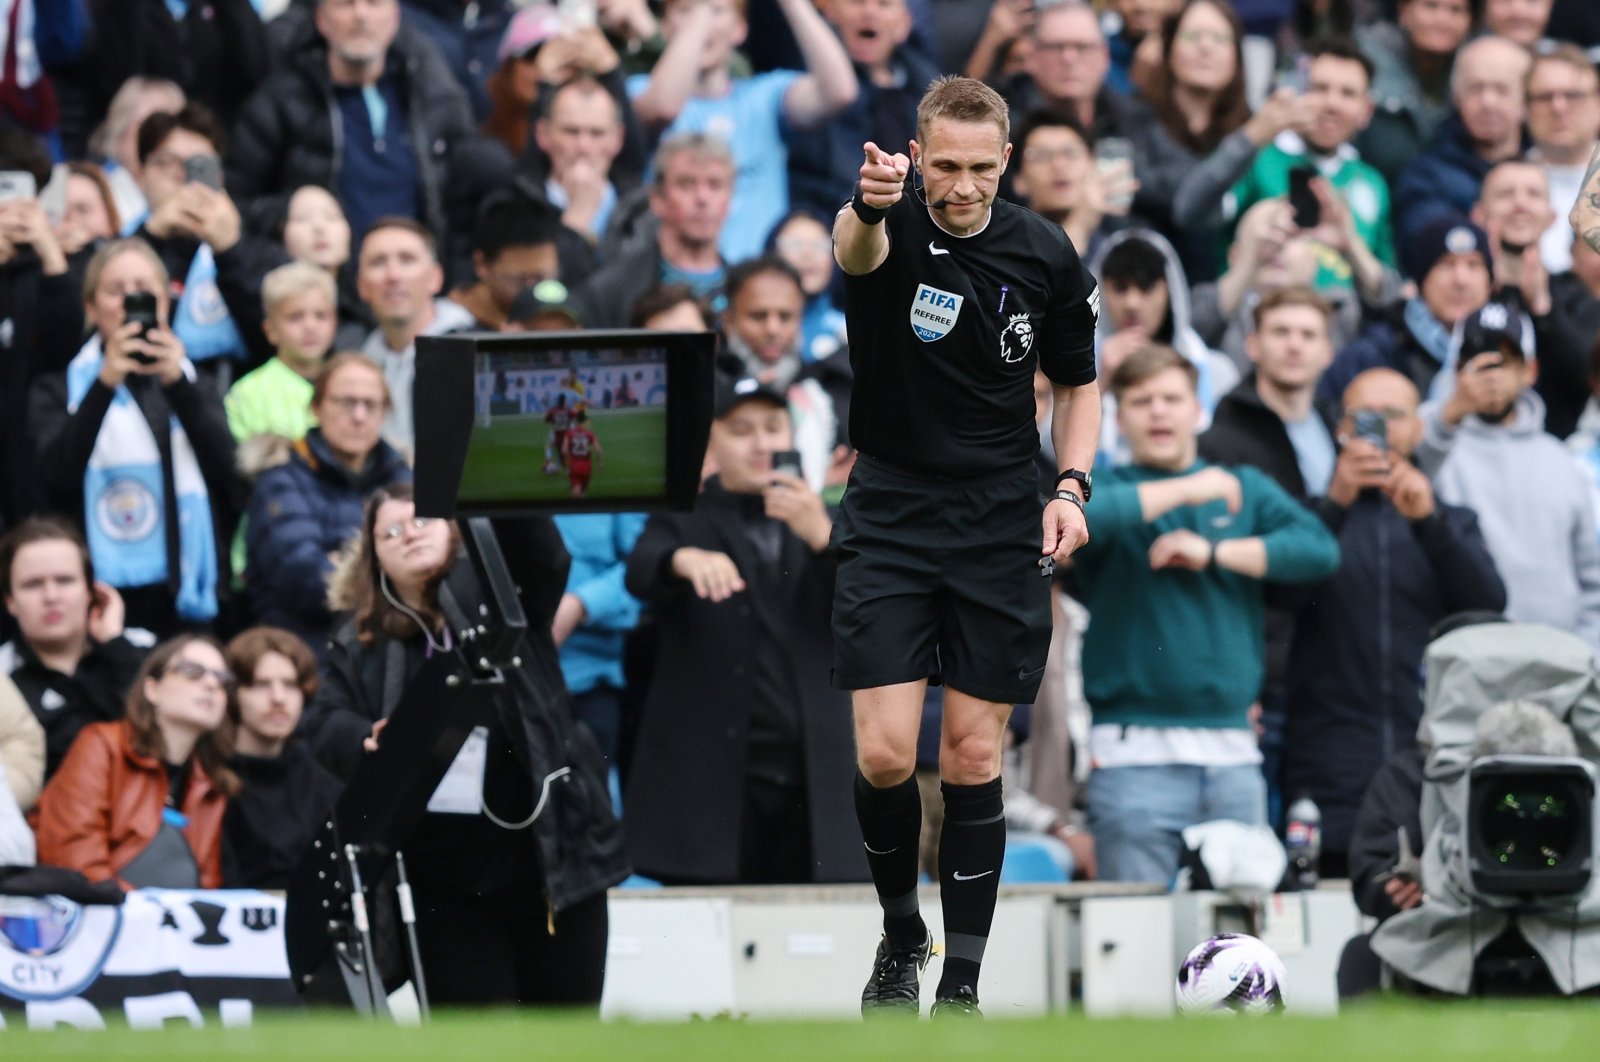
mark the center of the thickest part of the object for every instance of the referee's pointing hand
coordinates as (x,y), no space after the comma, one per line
(883,176)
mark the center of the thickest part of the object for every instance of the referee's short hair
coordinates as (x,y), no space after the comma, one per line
(962,99)
(1148,362)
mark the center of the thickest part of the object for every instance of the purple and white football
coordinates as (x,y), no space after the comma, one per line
(1231,974)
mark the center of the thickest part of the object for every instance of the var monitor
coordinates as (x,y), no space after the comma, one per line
(511,423)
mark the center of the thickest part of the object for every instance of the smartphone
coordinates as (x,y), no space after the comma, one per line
(787,462)
(17,184)
(203,169)
(1371,426)
(1307,210)
(140,307)
(1110,153)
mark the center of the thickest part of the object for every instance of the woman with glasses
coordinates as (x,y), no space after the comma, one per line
(140,801)
(308,496)
(511,861)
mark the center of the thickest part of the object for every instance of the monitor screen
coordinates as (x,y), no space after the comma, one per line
(563,420)
(555,424)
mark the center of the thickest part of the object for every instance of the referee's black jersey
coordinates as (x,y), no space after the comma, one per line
(946,333)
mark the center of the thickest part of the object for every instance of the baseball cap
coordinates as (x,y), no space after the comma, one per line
(529,28)
(548,297)
(1449,234)
(1495,326)
(733,392)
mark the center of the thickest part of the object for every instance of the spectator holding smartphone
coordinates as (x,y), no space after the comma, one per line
(1407,560)
(74,658)
(136,444)
(195,228)
(40,321)
(741,770)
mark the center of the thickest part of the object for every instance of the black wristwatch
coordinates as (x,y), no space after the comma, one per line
(1085,478)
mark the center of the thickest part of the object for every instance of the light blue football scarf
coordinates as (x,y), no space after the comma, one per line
(124,498)
(201,318)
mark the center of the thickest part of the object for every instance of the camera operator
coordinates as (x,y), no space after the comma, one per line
(1386,880)
(530,817)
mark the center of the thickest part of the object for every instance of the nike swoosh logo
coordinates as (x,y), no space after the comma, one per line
(874,851)
(1021,674)
(935,249)
(971,877)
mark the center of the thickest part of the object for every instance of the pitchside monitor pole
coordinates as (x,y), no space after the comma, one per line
(486,408)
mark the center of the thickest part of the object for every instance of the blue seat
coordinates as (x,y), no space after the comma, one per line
(1028,862)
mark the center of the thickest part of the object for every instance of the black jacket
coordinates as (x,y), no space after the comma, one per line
(217,53)
(271,821)
(576,842)
(289,134)
(41,328)
(1355,673)
(1566,342)
(66,441)
(1393,801)
(685,789)
(1245,431)
(97,692)
(606,299)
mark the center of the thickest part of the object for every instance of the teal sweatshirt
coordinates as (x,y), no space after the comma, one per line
(1181,648)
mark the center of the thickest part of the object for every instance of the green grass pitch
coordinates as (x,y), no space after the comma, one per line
(1484,1030)
(507,462)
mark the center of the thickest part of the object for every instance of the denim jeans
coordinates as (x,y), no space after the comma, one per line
(1138,814)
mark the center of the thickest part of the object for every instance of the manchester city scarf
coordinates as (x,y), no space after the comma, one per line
(124,498)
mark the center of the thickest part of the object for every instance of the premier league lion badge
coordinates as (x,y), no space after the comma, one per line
(1017,340)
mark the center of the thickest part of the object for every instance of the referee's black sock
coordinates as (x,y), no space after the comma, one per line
(891,827)
(972,846)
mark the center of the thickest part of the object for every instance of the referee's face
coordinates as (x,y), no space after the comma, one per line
(961,163)
(1160,417)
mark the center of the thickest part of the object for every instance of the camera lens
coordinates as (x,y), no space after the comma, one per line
(1527,830)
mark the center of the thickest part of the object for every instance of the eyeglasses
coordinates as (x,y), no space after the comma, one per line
(166,160)
(1221,38)
(394,531)
(348,404)
(1571,97)
(194,672)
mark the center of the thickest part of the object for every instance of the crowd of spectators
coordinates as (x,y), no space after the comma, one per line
(1347,345)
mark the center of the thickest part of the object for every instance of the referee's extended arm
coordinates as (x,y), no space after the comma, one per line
(859,245)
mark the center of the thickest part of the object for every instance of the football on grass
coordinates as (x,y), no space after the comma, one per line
(1231,974)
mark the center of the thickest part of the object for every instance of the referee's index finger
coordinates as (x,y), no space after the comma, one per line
(874,153)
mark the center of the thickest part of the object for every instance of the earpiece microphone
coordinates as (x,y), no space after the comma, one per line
(939,204)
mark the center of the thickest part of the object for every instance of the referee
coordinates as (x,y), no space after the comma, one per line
(953,298)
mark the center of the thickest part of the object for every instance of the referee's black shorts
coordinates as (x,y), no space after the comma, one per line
(940,579)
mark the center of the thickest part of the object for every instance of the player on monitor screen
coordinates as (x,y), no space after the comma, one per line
(559,417)
(580,449)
